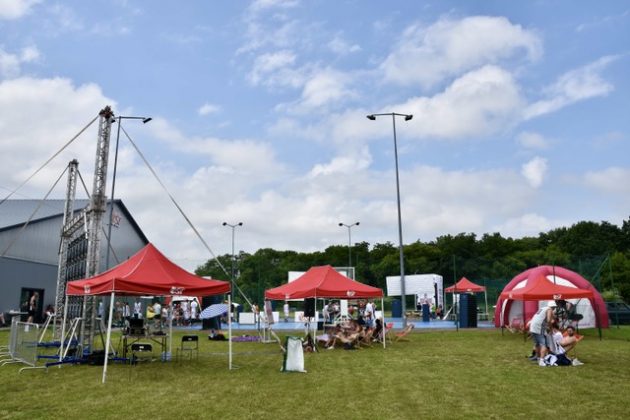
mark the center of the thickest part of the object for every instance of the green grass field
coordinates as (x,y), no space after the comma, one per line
(437,374)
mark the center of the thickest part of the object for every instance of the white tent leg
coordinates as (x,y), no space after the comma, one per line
(109,335)
(230,331)
(63,329)
(170,330)
(383,321)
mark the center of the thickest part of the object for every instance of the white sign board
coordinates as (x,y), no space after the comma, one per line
(418,284)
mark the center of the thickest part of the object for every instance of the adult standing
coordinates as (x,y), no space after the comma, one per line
(126,310)
(539,327)
(285,309)
(194,309)
(369,314)
(157,314)
(32,307)
(137,309)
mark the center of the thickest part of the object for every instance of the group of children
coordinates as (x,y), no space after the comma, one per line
(551,344)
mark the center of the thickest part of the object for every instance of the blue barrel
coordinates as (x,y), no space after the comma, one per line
(426,313)
(467,311)
(396,308)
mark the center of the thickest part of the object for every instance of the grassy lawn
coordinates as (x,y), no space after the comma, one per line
(437,374)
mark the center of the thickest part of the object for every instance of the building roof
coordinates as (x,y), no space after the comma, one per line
(14,213)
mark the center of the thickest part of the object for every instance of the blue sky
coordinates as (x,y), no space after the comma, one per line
(520,114)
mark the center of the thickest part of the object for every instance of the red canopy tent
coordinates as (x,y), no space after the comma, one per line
(465,286)
(323,282)
(148,272)
(540,288)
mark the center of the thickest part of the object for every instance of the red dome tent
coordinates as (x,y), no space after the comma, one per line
(324,282)
(520,298)
(148,272)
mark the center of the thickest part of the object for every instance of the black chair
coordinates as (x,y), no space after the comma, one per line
(189,344)
(140,349)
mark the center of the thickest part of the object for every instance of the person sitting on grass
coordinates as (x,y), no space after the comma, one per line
(557,353)
(569,339)
(216,335)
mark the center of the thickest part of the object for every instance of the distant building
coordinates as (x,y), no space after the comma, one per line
(30,260)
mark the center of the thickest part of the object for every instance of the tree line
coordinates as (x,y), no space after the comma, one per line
(600,252)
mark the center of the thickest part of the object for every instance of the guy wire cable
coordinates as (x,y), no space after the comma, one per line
(48,161)
(174,202)
(39,205)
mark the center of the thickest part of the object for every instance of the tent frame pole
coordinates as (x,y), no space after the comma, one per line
(383,321)
(63,329)
(230,331)
(170,330)
(109,335)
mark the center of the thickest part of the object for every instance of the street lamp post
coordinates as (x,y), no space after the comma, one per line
(111,200)
(233,256)
(349,241)
(400,238)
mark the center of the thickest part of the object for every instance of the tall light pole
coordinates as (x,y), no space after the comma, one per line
(233,257)
(349,241)
(400,238)
(111,199)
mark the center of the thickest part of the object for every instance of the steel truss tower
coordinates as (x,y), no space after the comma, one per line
(79,252)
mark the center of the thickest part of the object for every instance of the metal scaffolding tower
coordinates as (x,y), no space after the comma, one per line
(95,212)
(79,250)
(68,229)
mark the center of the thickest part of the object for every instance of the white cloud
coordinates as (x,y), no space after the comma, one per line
(535,141)
(428,55)
(276,31)
(237,157)
(340,46)
(207,109)
(275,69)
(325,87)
(576,85)
(530,224)
(38,117)
(480,102)
(259,5)
(615,180)
(344,164)
(534,171)
(15,9)
(11,64)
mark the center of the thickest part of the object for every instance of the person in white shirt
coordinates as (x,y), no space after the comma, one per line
(194,306)
(186,310)
(157,317)
(369,314)
(285,308)
(137,309)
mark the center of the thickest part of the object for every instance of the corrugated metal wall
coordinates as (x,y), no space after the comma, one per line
(32,260)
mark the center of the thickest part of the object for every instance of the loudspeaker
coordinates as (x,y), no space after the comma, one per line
(309,308)
(467,311)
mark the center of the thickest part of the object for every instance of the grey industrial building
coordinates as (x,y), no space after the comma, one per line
(29,255)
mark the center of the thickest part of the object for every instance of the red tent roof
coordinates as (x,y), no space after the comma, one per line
(465,286)
(323,282)
(541,288)
(148,272)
